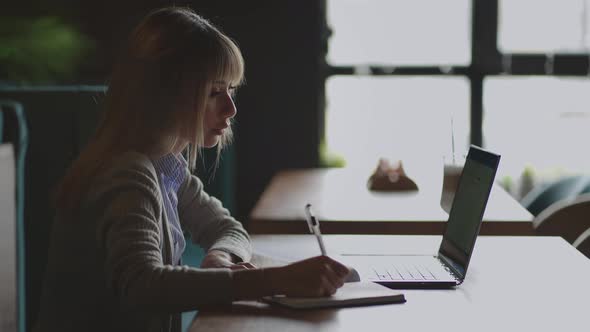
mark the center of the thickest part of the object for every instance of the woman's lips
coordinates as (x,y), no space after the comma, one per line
(219,131)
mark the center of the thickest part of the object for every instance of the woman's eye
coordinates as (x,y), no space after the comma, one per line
(230,90)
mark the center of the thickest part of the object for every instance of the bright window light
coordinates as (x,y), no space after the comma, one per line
(406,118)
(542,123)
(544,26)
(399,32)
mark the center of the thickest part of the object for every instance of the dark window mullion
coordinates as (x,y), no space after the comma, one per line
(485,59)
(397,70)
(536,64)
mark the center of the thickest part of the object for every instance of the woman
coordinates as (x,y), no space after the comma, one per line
(114,262)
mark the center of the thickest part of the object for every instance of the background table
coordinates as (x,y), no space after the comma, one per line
(344,205)
(513,284)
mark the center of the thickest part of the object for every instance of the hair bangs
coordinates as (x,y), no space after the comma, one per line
(229,63)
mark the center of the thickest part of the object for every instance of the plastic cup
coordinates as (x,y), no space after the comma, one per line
(453,167)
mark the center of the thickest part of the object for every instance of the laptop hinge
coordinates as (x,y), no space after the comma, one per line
(451,265)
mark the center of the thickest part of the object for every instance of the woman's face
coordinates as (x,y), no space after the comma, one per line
(219,111)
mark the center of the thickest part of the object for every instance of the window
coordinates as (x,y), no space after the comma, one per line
(406,118)
(531,119)
(513,75)
(390,32)
(542,26)
(370,116)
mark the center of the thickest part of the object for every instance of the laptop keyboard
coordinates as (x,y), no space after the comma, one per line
(409,271)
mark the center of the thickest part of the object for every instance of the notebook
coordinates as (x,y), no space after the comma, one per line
(351,294)
(449,266)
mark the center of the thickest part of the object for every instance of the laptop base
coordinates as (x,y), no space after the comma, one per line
(437,284)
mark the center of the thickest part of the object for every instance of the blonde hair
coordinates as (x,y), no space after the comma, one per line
(158,92)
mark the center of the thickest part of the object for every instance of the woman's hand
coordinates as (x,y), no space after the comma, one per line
(317,276)
(222,259)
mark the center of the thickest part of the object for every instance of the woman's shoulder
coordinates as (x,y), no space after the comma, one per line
(129,168)
(131,160)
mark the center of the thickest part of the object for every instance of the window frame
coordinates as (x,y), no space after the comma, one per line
(486,61)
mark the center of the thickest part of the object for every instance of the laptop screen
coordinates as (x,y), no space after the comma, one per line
(468,207)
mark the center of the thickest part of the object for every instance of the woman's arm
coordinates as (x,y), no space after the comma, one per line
(128,231)
(209,223)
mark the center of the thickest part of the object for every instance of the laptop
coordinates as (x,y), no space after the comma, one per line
(449,266)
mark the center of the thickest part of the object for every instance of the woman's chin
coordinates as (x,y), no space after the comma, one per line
(211,142)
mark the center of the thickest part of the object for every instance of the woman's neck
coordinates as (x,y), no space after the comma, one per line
(165,148)
(179,147)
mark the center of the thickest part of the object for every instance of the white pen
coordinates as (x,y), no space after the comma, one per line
(314,228)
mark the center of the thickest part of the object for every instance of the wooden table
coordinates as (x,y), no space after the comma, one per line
(344,205)
(513,284)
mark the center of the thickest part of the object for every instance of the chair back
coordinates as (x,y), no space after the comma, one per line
(8,242)
(567,218)
(58,122)
(582,243)
(13,132)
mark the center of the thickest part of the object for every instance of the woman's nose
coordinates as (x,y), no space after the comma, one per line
(230,107)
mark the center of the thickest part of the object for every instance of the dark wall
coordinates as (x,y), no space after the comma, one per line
(278,108)
(277,122)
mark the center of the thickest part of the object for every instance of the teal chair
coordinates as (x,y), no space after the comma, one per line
(543,196)
(13,130)
(59,121)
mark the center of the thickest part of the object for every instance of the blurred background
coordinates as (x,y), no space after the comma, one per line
(75,43)
(334,83)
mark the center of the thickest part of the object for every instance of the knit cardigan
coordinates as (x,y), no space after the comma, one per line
(111,268)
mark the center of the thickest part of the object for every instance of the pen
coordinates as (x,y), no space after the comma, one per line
(314,228)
